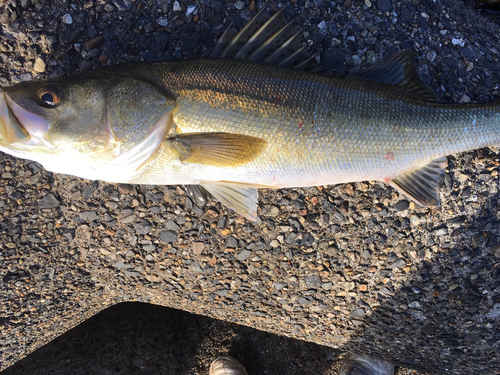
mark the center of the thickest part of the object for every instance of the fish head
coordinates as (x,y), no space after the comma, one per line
(49,116)
(81,124)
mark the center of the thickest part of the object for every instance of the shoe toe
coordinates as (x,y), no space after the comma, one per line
(227,366)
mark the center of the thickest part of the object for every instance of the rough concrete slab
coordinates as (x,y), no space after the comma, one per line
(348,266)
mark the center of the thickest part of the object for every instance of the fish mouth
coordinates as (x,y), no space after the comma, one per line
(17,125)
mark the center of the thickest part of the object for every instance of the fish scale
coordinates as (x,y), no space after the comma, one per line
(325,130)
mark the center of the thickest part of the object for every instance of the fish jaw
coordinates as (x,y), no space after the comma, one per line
(11,130)
(20,128)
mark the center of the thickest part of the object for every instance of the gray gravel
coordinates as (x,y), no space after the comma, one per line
(352,267)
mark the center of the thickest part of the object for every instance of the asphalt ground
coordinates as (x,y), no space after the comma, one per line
(355,267)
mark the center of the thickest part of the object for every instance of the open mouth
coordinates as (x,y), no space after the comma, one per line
(11,129)
(18,125)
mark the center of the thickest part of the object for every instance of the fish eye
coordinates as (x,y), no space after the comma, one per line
(50,96)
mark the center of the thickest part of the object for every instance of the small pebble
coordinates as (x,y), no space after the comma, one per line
(358,313)
(94,43)
(402,205)
(190,9)
(198,247)
(244,255)
(39,65)
(67,19)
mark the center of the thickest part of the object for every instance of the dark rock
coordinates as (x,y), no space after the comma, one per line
(67,36)
(406,15)
(333,29)
(172,225)
(279,286)
(398,263)
(307,240)
(384,5)
(231,242)
(208,38)
(429,329)
(143,41)
(148,55)
(94,42)
(313,282)
(49,201)
(112,47)
(190,42)
(88,215)
(469,53)
(402,205)
(327,207)
(334,58)
(85,65)
(168,236)
(221,292)
(80,17)
(358,313)
(214,19)
(304,301)
(243,255)
(59,72)
(92,32)
(142,227)
(159,41)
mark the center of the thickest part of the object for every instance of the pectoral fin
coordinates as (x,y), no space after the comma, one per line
(422,185)
(217,149)
(241,199)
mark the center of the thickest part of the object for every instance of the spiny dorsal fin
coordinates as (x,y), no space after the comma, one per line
(265,40)
(217,149)
(261,35)
(422,185)
(399,71)
(223,41)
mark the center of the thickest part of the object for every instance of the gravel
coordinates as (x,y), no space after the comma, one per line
(348,258)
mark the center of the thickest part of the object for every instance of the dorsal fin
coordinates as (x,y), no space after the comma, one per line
(398,71)
(267,40)
(259,36)
(223,41)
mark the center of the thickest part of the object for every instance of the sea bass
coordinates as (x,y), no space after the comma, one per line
(243,118)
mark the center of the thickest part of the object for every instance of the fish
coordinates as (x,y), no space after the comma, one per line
(252,113)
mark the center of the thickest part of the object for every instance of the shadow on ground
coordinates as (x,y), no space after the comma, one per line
(134,338)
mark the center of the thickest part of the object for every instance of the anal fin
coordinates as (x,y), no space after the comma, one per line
(422,185)
(241,199)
